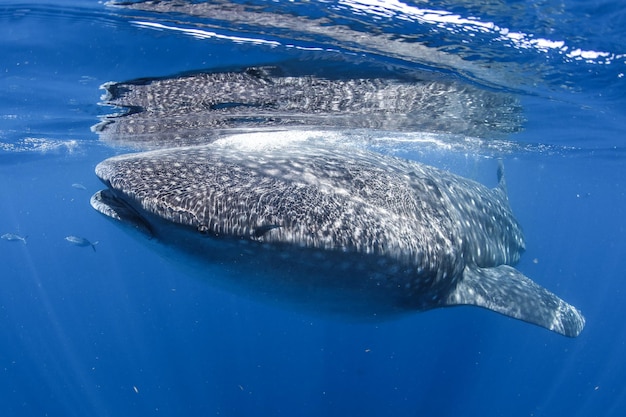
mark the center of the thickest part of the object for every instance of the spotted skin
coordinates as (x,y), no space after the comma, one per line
(364,232)
(194,109)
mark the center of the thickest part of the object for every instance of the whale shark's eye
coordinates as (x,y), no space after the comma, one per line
(262,230)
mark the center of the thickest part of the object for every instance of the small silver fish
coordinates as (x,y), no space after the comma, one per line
(79,186)
(81,241)
(12,237)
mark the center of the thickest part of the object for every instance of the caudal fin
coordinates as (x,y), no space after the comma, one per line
(507,291)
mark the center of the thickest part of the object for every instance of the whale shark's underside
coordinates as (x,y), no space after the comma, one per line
(330,227)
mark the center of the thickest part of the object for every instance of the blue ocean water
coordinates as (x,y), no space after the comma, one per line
(122,331)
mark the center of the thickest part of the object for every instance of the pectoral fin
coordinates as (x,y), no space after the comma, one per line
(507,291)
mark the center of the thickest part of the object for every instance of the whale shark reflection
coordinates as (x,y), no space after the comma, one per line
(197,108)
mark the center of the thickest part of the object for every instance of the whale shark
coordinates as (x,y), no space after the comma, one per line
(331,228)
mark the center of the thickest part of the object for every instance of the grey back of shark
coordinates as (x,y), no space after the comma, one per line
(328,228)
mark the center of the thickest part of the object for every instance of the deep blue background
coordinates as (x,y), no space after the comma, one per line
(121,331)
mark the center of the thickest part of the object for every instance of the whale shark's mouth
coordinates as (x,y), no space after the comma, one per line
(111,204)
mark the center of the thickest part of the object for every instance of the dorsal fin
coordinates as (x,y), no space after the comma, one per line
(501,179)
(501,188)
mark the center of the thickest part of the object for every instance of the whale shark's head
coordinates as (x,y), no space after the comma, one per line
(300,194)
(120,209)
